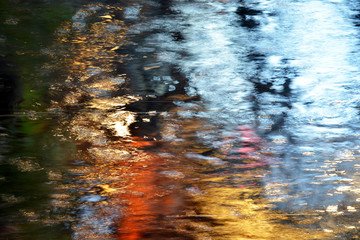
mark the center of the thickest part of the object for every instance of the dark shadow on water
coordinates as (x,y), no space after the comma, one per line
(9,87)
(246,17)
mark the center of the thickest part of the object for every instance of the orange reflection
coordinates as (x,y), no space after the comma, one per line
(149,198)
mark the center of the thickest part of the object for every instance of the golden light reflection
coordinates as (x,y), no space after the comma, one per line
(91,45)
(239,213)
(94,118)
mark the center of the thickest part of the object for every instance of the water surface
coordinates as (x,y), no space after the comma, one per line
(180,120)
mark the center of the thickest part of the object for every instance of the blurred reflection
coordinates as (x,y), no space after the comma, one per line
(237,125)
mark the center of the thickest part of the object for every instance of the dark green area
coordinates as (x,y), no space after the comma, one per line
(27,29)
(29,147)
(29,154)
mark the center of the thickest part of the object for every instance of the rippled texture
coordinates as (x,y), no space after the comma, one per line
(186,120)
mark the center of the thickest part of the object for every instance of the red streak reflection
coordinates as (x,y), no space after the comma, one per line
(151,197)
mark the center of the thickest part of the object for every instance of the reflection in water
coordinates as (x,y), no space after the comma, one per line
(204,177)
(199,120)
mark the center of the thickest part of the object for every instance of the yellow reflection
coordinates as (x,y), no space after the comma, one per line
(241,213)
(86,45)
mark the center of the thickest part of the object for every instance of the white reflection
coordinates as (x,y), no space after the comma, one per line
(122,123)
(215,64)
(319,43)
